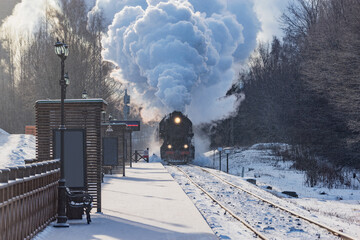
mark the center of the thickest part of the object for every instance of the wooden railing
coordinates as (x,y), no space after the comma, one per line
(28,199)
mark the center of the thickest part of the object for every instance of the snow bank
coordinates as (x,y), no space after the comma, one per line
(260,162)
(3,132)
(155,158)
(339,206)
(14,148)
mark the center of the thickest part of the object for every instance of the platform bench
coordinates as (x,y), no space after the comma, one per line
(79,200)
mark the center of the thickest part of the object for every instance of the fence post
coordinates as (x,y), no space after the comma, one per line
(37,168)
(4,175)
(20,172)
(12,173)
(33,170)
(27,170)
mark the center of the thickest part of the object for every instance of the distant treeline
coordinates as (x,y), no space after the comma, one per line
(30,69)
(305,89)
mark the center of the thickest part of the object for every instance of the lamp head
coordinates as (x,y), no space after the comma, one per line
(109,129)
(84,94)
(61,49)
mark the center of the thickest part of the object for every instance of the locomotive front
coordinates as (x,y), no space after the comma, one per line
(175,130)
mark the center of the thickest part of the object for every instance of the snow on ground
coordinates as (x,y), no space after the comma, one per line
(222,224)
(271,222)
(14,148)
(338,207)
(147,204)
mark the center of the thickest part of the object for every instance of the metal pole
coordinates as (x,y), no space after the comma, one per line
(131,149)
(61,218)
(227,163)
(220,160)
(214,159)
(124,152)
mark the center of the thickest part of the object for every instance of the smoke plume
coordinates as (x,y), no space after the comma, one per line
(26,18)
(178,54)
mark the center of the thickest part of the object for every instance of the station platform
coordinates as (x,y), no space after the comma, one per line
(146,204)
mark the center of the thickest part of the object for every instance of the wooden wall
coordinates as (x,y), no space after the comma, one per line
(123,133)
(79,114)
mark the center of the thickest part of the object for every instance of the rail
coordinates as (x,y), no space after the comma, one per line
(333,231)
(28,198)
(261,236)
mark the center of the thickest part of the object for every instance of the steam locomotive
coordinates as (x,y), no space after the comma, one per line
(175,130)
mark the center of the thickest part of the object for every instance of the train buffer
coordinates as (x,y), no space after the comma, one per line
(146,204)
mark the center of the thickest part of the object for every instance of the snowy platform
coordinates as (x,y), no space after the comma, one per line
(146,204)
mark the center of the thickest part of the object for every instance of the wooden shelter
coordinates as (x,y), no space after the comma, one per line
(123,134)
(79,114)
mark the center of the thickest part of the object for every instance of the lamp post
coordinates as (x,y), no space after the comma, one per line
(220,150)
(109,128)
(227,151)
(62,50)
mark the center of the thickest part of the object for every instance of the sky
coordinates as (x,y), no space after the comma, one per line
(173,54)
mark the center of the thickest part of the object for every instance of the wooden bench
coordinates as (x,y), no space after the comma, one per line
(79,200)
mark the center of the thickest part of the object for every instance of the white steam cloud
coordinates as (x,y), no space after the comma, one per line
(178,54)
(171,54)
(26,18)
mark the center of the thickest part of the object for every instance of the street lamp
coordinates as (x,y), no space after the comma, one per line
(62,50)
(109,128)
(84,94)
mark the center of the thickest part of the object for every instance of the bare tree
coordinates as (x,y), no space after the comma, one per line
(32,72)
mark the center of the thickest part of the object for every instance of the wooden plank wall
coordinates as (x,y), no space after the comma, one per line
(123,133)
(80,114)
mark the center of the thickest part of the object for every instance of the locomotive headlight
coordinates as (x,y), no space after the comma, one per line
(186,146)
(169,146)
(177,120)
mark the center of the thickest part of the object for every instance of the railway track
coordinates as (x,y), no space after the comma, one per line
(267,206)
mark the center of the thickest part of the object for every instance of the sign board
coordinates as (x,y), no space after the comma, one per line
(220,149)
(227,151)
(110,151)
(75,156)
(132,125)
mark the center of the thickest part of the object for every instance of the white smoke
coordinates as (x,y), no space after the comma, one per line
(108,8)
(269,14)
(26,18)
(178,54)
